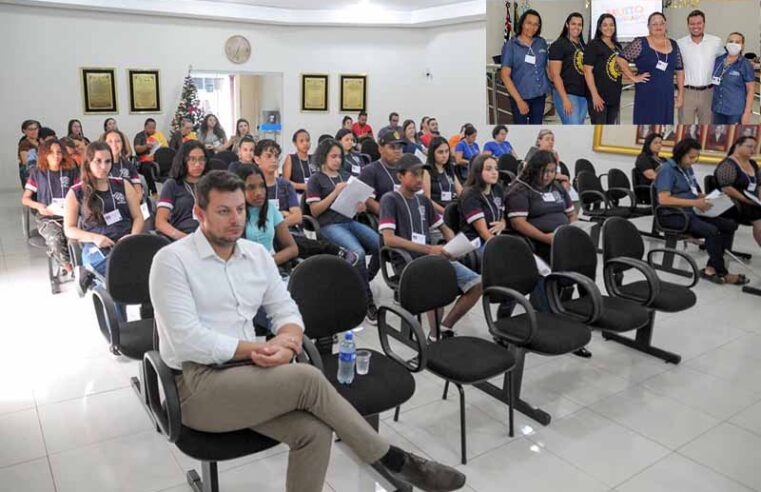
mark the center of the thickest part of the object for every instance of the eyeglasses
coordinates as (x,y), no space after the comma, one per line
(197,160)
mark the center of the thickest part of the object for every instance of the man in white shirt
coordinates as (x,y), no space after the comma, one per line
(206,289)
(699,51)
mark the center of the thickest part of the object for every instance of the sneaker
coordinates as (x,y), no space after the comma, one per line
(372,313)
(350,256)
(429,475)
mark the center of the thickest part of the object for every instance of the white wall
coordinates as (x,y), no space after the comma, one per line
(43,50)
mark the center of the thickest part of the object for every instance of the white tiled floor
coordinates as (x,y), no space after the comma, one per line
(621,421)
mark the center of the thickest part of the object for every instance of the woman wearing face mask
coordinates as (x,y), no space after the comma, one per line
(567,72)
(733,81)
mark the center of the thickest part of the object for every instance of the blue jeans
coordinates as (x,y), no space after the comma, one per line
(579,109)
(360,239)
(726,119)
(97,261)
(535,111)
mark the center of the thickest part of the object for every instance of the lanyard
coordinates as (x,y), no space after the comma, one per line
(690,181)
(409,212)
(340,180)
(393,183)
(190,190)
(723,68)
(303,169)
(60,183)
(470,150)
(113,200)
(549,188)
(446,179)
(495,212)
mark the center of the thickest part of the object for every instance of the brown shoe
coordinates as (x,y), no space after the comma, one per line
(429,475)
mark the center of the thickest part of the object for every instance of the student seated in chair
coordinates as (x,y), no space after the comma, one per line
(353,162)
(406,220)
(481,205)
(45,193)
(381,174)
(739,176)
(174,214)
(677,186)
(202,321)
(246,148)
(283,198)
(100,209)
(123,167)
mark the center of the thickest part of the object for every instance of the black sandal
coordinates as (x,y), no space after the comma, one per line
(715,278)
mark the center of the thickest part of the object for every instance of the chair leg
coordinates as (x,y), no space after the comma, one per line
(209,479)
(396,414)
(463,438)
(643,342)
(446,390)
(510,399)
(667,264)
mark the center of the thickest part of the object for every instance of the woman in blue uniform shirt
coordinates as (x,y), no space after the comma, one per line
(733,80)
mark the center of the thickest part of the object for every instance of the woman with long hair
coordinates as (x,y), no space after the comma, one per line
(739,177)
(409,136)
(647,165)
(45,193)
(567,71)
(298,167)
(74,132)
(242,129)
(122,166)
(109,124)
(212,135)
(439,182)
(353,161)
(27,143)
(481,205)
(175,215)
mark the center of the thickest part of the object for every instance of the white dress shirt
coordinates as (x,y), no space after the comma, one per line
(204,306)
(698,58)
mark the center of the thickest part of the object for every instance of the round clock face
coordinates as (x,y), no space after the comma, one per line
(238,49)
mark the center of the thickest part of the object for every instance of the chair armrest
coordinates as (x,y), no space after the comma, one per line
(309,354)
(613,288)
(310,223)
(552,282)
(383,332)
(158,376)
(387,256)
(26,221)
(690,260)
(599,177)
(679,210)
(597,194)
(105,311)
(629,193)
(489,294)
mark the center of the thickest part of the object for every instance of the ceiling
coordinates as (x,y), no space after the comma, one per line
(376,13)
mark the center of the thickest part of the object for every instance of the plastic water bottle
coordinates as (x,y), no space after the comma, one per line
(347,355)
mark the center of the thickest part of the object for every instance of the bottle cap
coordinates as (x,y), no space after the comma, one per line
(349,336)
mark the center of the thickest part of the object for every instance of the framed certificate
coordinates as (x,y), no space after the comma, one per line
(99,90)
(353,93)
(314,92)
(144,93)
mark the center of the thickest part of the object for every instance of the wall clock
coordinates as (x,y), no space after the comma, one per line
(237,49)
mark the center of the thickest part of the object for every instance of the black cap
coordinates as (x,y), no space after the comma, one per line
(389,137)
(410,162)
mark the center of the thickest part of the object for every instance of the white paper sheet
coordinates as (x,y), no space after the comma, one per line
(56,209)
(753,197)
(460,245)
(356,192)
(544,268)
(720,204)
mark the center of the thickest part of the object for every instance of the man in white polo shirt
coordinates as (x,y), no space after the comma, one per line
(699,51)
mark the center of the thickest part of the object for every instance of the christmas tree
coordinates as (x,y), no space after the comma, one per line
(189,107)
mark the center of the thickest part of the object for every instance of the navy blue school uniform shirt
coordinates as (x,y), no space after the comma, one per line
(179,199)
(284,193)
(126,170)
(381,177)
(529,78)
(475,205)
(442,186)
(545,209)
(50,185)
(352,165)
(115,198)
(301,171)
(407,215)
(729,96)
(321,185)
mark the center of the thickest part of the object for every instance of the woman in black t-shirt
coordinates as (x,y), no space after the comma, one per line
(567,72)
(481,207)
(603,69)
(739,177)
(646,166)
(439,182)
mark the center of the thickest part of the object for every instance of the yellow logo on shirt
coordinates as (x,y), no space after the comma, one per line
(578,61)
(613,70)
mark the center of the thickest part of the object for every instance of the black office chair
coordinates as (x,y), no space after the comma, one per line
(366,158)
(163,158)
(509,274)
(596,204)
(507,165)
(309,224)
(620,188)
(56,272)
(227,156)
(641,191)
(573,251)
(428,284)
(671,235)
(452,219)
(584,165)
(623,249)
(369,147)
(332,300)
(208,447)
(392,263)
(216,164)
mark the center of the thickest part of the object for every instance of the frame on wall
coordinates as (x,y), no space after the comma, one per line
(144,90)
(99,90)
(314,92)
(715,139)
(353,92)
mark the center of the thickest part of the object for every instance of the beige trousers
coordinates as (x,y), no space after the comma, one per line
(697,105)
(293,403)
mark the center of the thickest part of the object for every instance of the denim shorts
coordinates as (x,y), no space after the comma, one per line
(466,278)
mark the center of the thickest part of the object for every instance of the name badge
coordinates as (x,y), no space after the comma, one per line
(530,59)
(548,197)
(418,238)
(195,217)
(752,186)
(274,202)
(112,217)
(58,202)
(662,65)
(694,189)
(144,210)
(396,187)
(716,80)
(355,169)
(306,180)
(446,196)
(420,192)
(476,242)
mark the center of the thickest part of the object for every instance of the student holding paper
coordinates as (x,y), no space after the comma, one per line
(677,187)
(45,193)
(322,190)
(739,177)
(406,220)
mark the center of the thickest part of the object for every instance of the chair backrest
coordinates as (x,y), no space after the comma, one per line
(129,266)
(709,183)
(427,283)
(574,251)
(217,164)
(330,295)
(621,238)
(228,156)
(164,157)
(508,162)
(617,179)
(583,165)
(452,216)
(370,147)
(509,262)
(588,181)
